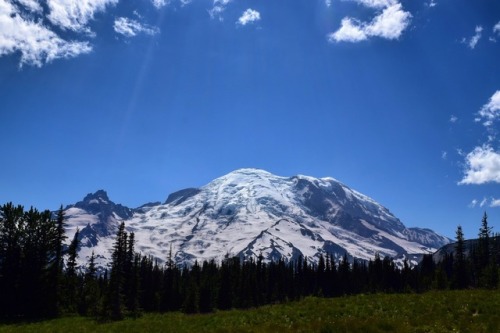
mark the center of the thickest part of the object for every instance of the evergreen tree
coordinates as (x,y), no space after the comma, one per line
(56,269)
(71,278)
(208,283)
(484,243)
(59,240)
(225,297)
(90,295)
(485,266)
(71,264)
(192,298)
(11,217)
(115,299)
(426,269)
(460,274)
(345,275)
(131,272)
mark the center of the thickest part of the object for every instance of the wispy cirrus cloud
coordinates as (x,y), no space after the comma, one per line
(31,5)
(130,27)
(36,43)
(249,16)
(74,15)
(431,4)
(472,42)
(490,112)
(491,202)
(389,23)
(473,203)
(219,6)
(377,3)
(496,28)
(160,3)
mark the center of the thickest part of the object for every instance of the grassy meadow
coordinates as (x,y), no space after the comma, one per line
(472,311)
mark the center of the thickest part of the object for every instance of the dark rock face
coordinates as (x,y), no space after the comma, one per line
(181,196)
(98,204)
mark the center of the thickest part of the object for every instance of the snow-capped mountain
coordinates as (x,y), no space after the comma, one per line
(250,212)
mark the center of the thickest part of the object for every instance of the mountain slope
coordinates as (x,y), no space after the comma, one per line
(250,212)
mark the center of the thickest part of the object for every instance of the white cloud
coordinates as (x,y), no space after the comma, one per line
(431,4)
(349,31)
(216,13)
(490,111)
(492,203)
(35,42)
(328,3)
(496,28)
(160,3)
(453,119)
(482,166)
(218,9)
(474,39)
(379,4)
(389,24)
(130,28)
(75,14)
(444,155)
(31,5)
(249,16)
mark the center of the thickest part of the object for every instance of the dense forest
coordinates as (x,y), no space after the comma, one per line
(40,278)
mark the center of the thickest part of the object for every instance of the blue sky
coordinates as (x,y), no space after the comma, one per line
(399,100)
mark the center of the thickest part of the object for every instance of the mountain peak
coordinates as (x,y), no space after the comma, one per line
(250,172)
(99,204)
(249,212)
(98,196)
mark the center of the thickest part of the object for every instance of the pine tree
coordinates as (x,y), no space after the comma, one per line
(10,258)
(321,283)
(460,274)
(90,295)
(344,275)
(56,270)
(131,283)
(71,264)
(71,278)
(115,299)
(486,268)
(484,243)
(59,240)
(225,297)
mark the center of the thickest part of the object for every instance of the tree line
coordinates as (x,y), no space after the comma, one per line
(39,276)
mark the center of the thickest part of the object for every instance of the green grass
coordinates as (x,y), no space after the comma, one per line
(472,311)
